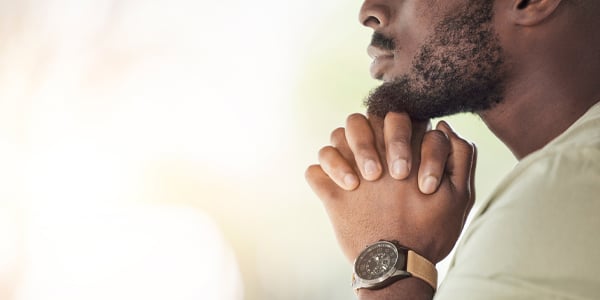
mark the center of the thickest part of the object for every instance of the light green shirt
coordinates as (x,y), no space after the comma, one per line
(538,236)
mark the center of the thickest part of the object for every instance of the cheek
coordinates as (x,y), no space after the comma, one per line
(408,46)
(506,34)
(401,66)
(412,30)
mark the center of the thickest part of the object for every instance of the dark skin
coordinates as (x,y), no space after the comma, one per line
(429,223)
(553,53)
(558,69)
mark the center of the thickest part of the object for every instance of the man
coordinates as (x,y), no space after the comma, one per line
(530,69)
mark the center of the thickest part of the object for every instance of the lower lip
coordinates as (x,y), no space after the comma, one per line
(379,64)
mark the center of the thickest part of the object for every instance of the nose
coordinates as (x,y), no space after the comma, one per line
(374,14)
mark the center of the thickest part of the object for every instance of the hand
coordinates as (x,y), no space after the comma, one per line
(398,127)
(387,208)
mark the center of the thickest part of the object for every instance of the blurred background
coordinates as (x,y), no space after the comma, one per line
(156,149)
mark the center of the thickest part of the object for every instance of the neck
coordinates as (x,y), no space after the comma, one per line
(552,79)
(536,111)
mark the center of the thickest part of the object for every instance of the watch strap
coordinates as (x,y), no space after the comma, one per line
(420,267)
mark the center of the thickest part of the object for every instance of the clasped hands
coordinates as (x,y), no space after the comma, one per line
(395,179)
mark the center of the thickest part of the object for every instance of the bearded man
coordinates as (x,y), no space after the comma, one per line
(530,70)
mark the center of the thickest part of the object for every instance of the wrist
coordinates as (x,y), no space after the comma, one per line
(409,288)
(385,262)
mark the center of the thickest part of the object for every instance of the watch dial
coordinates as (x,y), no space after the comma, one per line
(376,261)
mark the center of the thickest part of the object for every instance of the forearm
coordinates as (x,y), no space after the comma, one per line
(408,288)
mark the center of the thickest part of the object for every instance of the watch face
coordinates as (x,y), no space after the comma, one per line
(378,261)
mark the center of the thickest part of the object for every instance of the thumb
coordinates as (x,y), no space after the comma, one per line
(461,161)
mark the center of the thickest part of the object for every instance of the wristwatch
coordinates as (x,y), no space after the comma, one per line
(386,262)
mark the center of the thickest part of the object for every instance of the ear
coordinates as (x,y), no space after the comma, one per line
(533,12)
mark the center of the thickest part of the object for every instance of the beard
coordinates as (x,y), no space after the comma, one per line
(460,68)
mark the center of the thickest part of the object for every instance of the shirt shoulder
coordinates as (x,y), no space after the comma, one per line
(536,237)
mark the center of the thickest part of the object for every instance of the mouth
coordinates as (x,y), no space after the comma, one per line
(382,61)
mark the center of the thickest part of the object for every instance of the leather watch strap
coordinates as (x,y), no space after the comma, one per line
(420,267)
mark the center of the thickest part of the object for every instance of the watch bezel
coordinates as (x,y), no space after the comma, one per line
(396,272)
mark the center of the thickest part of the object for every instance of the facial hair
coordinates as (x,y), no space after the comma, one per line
(460,68)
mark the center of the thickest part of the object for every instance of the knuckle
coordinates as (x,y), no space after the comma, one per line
(437,137)
(397,117)
(330,194)
(355,117)
(464,147)
(311,172)
(338,135)
(364,149)
(399,144)
(326,152)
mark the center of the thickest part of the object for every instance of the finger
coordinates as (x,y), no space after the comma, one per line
(377,129)
(471,186)
(435,150)
(460,159)
(337,168)
(338,140)
(397,131)
(472,176)
(362,143)
(321,184)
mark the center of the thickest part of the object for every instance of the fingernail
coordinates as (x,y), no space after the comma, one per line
(370,168)
(428,184)
(350,181)
(400,168)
